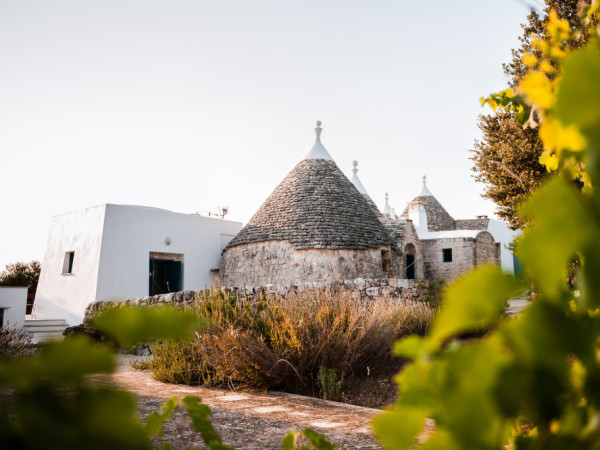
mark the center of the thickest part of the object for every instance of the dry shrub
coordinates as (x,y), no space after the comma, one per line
(281,343)
(14,343)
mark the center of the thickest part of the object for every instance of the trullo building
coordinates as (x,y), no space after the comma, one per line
(319,226)
(315,226)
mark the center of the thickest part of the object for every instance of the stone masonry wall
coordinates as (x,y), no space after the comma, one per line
(466,254)
(486,251)
(361,288)
(462,257)
(280,263)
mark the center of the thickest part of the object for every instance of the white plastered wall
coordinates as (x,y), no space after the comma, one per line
(14,302)
(505,236)
(131,233)
(62,296)
(112,245)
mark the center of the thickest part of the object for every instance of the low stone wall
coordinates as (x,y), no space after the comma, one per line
(361,288)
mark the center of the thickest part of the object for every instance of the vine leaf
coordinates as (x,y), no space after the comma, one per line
(200,415)
(563,225)
(473,302)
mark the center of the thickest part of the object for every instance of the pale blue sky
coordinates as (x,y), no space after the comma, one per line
(189,105)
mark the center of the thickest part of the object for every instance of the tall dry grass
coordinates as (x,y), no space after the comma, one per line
(14,343)
(281,343)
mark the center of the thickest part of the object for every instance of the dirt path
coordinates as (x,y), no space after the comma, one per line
(247,420)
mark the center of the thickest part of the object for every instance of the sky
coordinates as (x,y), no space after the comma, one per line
(192,105)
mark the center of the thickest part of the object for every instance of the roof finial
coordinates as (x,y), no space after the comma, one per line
(387,209)
(424,190)
(318,151)
(354,167)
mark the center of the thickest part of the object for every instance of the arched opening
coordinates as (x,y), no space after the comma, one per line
(386,261)
(410,261)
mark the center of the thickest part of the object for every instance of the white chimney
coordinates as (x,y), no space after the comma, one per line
(416,213)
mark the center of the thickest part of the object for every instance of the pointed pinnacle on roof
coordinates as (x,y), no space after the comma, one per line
(356,181)
(387,209)
(318,151)
(424,191)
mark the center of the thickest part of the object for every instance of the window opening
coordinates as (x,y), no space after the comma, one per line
(68,263)
(447,254)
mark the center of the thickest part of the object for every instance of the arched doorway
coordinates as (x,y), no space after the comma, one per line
(410,261)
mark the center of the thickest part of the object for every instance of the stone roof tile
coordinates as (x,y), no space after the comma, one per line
(316,206)
(438,218)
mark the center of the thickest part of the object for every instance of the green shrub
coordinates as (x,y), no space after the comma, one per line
(331,386)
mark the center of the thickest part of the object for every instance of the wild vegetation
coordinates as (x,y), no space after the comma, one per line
(22,274)
(290,343)
(507,157)
(533,381)
(14,343)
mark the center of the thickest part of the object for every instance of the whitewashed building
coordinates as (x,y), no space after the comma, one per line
(116,252)
(13,303)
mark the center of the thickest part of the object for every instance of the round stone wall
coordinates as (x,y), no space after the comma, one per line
(280,263)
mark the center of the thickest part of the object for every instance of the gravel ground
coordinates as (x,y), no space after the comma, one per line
(250,420)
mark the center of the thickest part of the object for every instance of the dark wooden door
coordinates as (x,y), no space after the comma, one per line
(410,267)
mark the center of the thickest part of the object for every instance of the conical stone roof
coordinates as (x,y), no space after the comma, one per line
(315,206)
(438,218)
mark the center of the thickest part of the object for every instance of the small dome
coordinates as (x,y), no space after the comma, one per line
(438,218)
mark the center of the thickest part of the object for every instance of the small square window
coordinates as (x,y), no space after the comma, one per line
(447,254)
(68,263)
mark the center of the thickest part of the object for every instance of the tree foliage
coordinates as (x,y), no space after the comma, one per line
(506,159)
(532,382)
(22,274)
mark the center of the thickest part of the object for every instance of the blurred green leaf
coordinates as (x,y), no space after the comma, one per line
(469,376)
(563,226)
(289,441)
(440,440)
(398,429)
(130,325)
(318,440)
(474,301)
(67,361)
(409,347)
(578,96)
(156,420)
(200,415)
(91,418)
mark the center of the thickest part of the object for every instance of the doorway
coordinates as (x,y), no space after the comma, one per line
(410,257)
(165,273)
